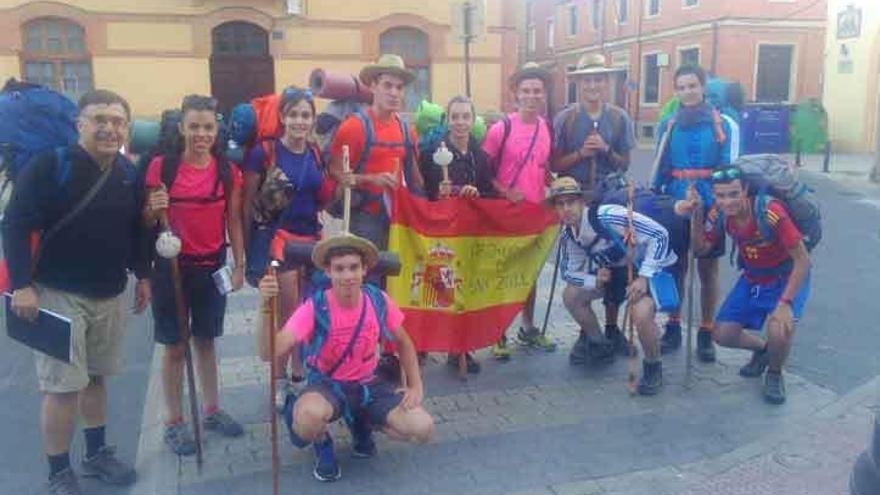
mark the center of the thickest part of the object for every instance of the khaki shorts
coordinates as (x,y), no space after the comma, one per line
(97,331)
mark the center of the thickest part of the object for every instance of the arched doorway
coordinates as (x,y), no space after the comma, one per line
(241,65)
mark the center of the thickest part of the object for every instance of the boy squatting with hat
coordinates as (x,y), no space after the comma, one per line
(587,259)
(342,326)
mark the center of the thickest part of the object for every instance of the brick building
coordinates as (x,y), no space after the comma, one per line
(774,48)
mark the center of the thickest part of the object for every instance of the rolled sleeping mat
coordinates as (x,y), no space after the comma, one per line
(144,135)
(338,86)
(300,253)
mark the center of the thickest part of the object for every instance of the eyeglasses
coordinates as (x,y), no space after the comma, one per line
(726,174)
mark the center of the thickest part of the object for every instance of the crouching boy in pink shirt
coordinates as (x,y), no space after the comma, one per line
(340,329)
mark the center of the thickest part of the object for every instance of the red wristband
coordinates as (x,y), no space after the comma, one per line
(785,300)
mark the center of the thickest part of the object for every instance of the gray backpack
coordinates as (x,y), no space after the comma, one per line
(772,177)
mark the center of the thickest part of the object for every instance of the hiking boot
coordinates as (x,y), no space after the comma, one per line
(326,467)
(600,349)
(362,445)
(618,340)
(774,387)
(221,422)
(756,366)
(671,339)
(180,439)
(105,466)
(501,351)
(705,346)
(652,378)
(473,367)
(578,354)
(533,337)
(64,483)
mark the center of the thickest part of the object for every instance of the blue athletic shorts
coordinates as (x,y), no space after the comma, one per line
(749,304)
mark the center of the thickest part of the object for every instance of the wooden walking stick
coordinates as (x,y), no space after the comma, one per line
(691,267)
(655,166)
(593,166)
(270,311)
(629,327)
(165,238)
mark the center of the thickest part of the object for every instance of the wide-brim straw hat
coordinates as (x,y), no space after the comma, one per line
(530,70)
(388,63)
(593,63)
(563,186)
(365,247)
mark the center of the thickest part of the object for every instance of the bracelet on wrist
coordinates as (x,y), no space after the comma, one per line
(785,300)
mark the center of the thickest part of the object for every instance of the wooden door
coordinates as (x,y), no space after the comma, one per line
(241,66)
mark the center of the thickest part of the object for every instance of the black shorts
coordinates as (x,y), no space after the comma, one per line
(205,303)
(717,250)
(614,291)
(383,398)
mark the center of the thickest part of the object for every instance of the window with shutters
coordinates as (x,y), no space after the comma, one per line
(54,54)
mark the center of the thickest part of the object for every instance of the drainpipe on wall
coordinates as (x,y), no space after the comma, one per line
(638,78)
(713,68)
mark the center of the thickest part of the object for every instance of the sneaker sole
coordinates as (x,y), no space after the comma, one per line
(774,400)
(87,473)
(328,479)
(706,358)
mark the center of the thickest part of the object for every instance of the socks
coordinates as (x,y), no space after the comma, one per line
(58,463)
(94,440)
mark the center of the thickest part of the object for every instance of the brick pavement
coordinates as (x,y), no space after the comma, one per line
(534,425)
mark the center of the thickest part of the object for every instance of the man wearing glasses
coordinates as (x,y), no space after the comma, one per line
(89,219)
(775,279)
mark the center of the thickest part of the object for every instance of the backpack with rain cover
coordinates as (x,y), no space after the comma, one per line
(771,177)
(33,119)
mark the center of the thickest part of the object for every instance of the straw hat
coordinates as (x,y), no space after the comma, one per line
(593,63)
(366,248)
(388,63)
(530,70)
(563,186)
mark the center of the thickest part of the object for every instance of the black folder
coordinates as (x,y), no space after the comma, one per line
(49,333)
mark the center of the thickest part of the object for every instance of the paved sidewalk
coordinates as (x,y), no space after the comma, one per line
(537,425)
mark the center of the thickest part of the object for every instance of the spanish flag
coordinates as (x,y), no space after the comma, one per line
(467,266)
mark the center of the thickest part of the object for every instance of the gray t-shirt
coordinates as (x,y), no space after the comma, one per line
(615,127)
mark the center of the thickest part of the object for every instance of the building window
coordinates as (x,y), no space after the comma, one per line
(572,20)
(571,94)
(412,45)
(596,15)
(647,131)
(55,56)
(622,11)
(689,56)
(650,79)
(653,7)
(773,80)
(551,33)
(691,3)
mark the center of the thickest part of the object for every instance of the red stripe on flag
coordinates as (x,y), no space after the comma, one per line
(458,217)
(437,331)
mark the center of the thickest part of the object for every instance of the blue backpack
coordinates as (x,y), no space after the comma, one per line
(33,119)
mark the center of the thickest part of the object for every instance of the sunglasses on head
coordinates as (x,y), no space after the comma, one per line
(298,94)
(726,174)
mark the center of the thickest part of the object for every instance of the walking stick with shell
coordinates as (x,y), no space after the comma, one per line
(168,247)
(628,325)
(443,157)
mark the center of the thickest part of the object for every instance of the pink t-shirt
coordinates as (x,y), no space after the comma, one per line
(200,224)
(531,181)
(361,363)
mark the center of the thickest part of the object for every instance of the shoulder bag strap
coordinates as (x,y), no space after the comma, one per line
(61,154)
(354,336)
(525,158)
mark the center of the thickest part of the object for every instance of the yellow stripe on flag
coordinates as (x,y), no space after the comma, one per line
(465,273)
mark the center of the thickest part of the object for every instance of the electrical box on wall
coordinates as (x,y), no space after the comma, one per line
(294,7)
